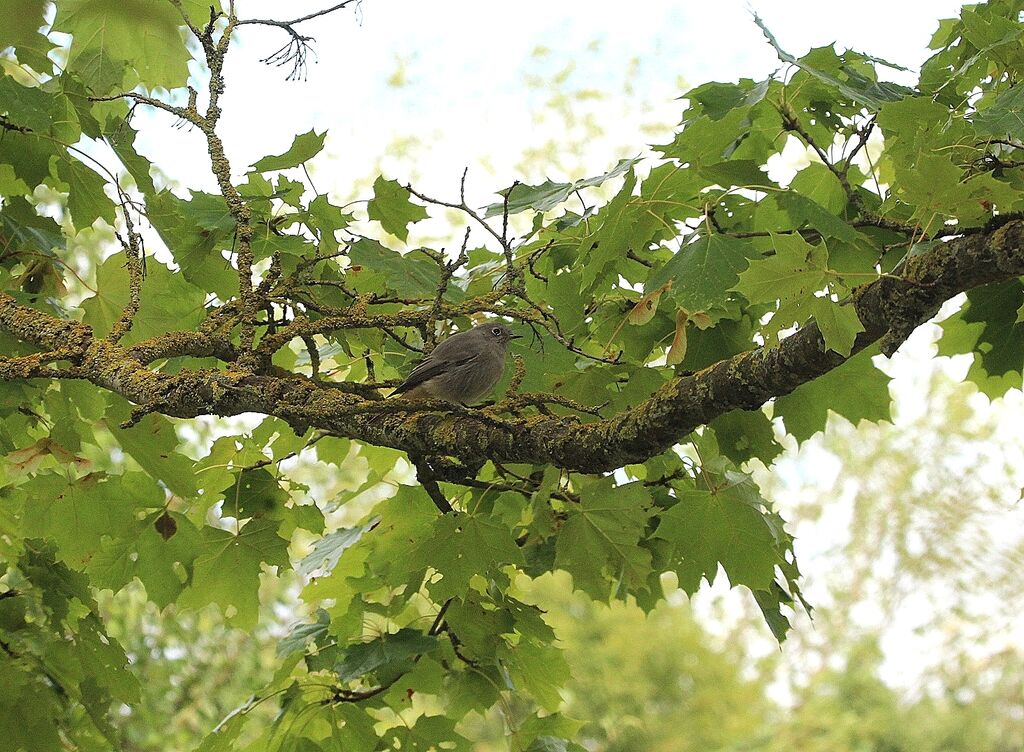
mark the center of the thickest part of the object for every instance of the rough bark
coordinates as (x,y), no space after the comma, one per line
(890,309)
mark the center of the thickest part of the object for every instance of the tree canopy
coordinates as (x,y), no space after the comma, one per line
(670,328)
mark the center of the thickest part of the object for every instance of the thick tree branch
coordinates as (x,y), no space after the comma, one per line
(890,309)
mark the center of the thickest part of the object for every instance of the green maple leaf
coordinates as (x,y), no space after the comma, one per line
(373,269)
(77,514)
(861,90)
(539,669)
(932,186)
(302,634)
(990,326)
(303,148)
(328,550)
(797,270)
(121,137)
(626,224)
(386,657)
(253,493)
(22,21)
(1004,117)
(770,602)
(150,555)
(838,324)
(479,623)
(807,212)
(195,231)
(745,434)
(351,729)
(598,544)
(327,219)
(152,443)
(392,207)
(87,201)
(28,730)
(222,738)
(820,184)
(460,547)
(226,571)
(723,525)
(704,271)
(856,390)
(169,303)
(43,110)
(1001,339)
(430,733)
(143,33)
(706,141)
(341,586)
(548,195)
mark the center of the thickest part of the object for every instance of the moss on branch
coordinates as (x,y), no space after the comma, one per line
(889,308)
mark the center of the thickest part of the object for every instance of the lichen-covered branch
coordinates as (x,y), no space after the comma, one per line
(889,308)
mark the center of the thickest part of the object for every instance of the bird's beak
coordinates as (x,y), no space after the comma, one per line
(515,336)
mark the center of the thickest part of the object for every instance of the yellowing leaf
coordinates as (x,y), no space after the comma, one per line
(677,351)
(29,459)
(701,320)
(647,306)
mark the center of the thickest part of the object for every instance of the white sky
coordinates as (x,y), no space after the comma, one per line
(465,63)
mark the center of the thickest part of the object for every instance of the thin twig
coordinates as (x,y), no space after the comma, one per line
(792,123)
(294,21)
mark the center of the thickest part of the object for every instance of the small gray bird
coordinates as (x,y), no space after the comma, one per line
(463,368)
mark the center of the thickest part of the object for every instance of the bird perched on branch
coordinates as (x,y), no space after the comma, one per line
(463,368)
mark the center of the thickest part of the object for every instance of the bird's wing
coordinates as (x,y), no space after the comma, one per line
(430,367)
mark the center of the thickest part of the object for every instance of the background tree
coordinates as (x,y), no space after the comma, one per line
(272,300)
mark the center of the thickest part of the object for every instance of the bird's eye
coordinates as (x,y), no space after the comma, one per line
(496,331)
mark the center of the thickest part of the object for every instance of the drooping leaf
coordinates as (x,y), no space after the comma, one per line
(861,90)
(856,390)
(839,324)
(227,569)
(598,543)
(647,306)
(677,351)
(328,550)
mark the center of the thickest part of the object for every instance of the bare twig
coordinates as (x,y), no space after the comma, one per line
(469,212)
(792,123)
(136,263)
(189,113)
(448,269)
(863,134)
(298,47)
(294,21)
